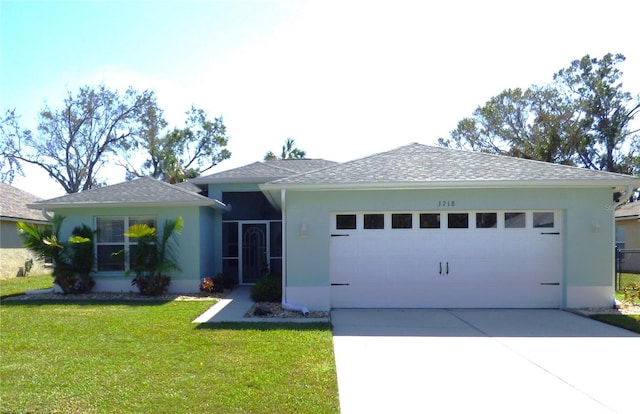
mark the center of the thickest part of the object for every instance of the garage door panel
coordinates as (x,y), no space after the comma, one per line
(488,267)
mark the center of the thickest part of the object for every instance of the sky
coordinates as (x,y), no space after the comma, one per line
(345,79)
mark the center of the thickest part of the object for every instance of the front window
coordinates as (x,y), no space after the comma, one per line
(110,239)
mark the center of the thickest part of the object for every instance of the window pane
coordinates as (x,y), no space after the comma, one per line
(276,239)
(110,230)
(106,262)
(401,221)
(543,219)
(458,220)
(149,221)
(345,221)
(374,221)
(275,267)
(430,221)
(230,269)
(147,260)
(514,220)
(229,239)
(249,206)
(486,220)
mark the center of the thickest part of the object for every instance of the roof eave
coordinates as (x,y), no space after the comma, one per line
(239,180)
(613,184)
(218,205)
(25,220)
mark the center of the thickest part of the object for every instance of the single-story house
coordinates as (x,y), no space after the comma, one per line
(13,256)
(628,236)
(415,227)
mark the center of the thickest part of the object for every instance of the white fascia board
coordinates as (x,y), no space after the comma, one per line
(52,206)
(24,220)
(613,184)
(273,196)
(238,180)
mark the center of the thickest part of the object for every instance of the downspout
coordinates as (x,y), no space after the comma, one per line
(283,211)
(285,305)
(46,215)
(623,197)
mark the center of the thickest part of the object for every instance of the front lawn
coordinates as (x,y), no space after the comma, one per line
(630,322)
(148,357)
(18,285)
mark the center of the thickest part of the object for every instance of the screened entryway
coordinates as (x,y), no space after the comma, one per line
(251,249)
(251,237)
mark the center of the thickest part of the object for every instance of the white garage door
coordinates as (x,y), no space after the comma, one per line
(461,259)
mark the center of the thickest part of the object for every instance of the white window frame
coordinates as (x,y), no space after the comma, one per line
(126,241)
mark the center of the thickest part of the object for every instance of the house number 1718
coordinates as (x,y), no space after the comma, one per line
(448,203)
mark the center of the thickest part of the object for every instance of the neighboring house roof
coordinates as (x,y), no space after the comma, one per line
(13,204)
(140,192)
(418,165)
(628,211)
(261,172)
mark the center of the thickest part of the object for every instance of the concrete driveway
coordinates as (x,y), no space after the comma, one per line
(483,361)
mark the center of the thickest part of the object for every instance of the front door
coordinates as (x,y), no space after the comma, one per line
(254,252)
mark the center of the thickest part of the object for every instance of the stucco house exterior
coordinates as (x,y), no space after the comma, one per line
(416,227)
(13,208)
(627,219)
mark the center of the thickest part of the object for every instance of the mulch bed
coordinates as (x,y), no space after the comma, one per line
(120,296)
(274,310)
(621,308)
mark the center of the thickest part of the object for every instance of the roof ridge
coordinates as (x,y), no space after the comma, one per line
(275,166)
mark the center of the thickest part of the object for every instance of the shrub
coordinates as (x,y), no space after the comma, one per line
(72,260)
(632,292)
(155,256)
(267,289)
(208,285)
(151,284)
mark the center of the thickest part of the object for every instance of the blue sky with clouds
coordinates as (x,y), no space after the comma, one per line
(345,79)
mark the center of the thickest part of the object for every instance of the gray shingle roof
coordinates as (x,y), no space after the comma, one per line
(13,204)
(629,210)
(144,191)
(418,164)
(261,172)
(189,187)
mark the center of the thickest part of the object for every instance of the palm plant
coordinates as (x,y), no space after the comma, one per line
(72,261)
(154,256)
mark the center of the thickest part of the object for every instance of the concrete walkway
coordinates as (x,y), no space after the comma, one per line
(483,361)
(236,304)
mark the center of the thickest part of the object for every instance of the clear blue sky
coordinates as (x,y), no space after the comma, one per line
(345,79)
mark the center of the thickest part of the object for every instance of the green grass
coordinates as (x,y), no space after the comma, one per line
(148,357)
(630,322)
(18,285)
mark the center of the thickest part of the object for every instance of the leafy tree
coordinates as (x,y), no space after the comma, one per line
(582,118)
(289,151)
(595,88)
(74,141)
(181,153)
(535,123)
